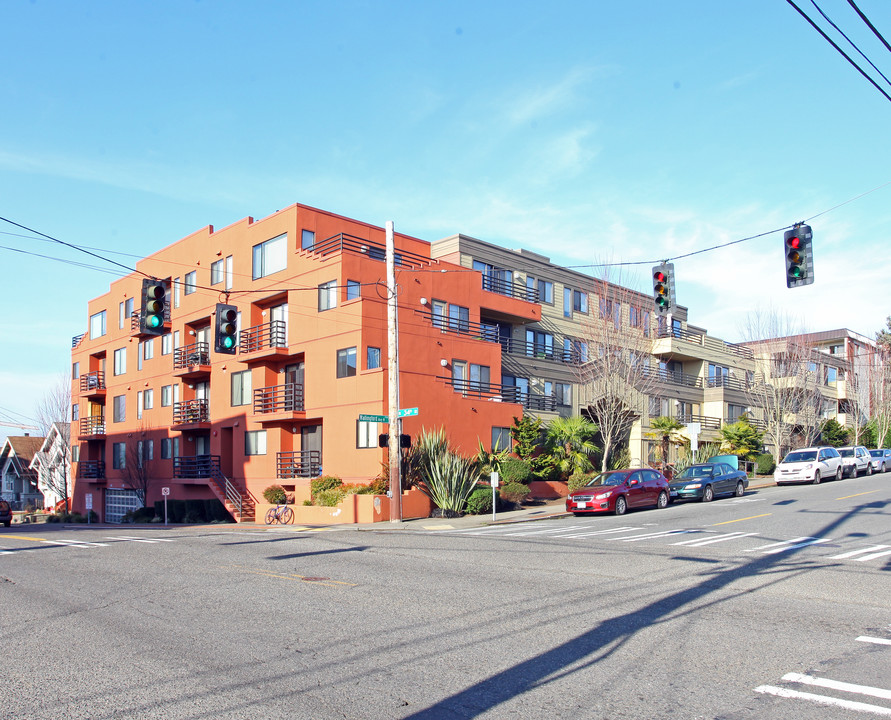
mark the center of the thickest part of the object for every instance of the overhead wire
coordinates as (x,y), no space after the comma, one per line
(869,24)
(851,42)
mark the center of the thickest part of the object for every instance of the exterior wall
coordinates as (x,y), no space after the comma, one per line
(343,250)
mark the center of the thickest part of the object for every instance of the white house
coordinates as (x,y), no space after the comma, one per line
(52,463)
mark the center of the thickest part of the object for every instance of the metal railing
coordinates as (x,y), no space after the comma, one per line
(92,425)
(91,470)
(501,393)
(191,411)
(671,377)
(300,463)
(196,466)
(725,381)
(509,288)
(707,423)
(195,354)
(76,340)
(273,334)
(542,351)
(279,398)
(94,380)
(374,250)
(481,331)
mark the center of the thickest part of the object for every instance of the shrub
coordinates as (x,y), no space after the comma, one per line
(446,477)
(275,495)
(480,501)
(330,497)
(515,492)
(379,486)
(514,470)
(577,480)
(192,516)
(765,464)
(143,514)
(55,518)
(326,482)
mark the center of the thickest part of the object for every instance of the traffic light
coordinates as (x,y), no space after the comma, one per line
(225,329)
(154,307)
(663,288)
(383,440)
(799,255)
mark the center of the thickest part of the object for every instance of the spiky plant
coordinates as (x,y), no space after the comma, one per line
(445,477)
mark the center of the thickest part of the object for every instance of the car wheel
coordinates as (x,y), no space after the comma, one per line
(816,479)
(621,505)
(740,489)
(838,474)
(708,494)
(662,500)
(869,469)
(883,468)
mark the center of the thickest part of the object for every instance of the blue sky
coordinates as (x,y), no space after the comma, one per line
(587,131)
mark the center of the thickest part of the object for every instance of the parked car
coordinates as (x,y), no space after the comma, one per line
(855,460)
(809,465)
(705,481)
(616,491)
(881,459)
(5,513)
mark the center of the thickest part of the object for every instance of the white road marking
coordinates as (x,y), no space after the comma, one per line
(786,545)
(649,536)
(699,542)
(837,685)
(74,543)
(877,641)
(132,539)
(824,700)
(549,530)
(852,553)
(612,531)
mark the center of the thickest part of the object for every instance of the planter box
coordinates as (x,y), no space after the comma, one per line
(548,489)
(355,509)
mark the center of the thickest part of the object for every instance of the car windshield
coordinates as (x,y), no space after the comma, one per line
(801,456)
(877,453)
(697,471)
(846,452)
(609,478)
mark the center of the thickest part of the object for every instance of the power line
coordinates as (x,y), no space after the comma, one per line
(869,24)
(851,42)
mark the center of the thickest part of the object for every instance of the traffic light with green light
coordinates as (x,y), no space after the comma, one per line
(663,288)
(153,311)
(799,253)
(226,329)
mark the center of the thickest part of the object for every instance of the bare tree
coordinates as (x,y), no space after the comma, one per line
(613,359)
(136,472)
(54,408)
(55,405)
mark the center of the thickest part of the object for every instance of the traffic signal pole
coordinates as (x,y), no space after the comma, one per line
(393,381)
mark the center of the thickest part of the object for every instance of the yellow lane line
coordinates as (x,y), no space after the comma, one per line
(856,495)
(25,537)
(741,519)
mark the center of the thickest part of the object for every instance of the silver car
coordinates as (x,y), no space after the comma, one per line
(809,465)
(881,459)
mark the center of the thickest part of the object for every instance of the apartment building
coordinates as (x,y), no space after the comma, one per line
(688,374)
(310,290)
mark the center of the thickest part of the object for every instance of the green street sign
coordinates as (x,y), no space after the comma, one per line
(374,418)
(408,412)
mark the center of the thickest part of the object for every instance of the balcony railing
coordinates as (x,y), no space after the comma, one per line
(94,380)
(699,338)
(509,288)
(673,378)
(76,340)
(273,334)
(279,398)
(501,393)
(196,354)
(481,331)
(304,463)
(725,381)
(543,351)
(197,466)
(707,423)
(91,469)
(191,411)
(374,250)
(92,425)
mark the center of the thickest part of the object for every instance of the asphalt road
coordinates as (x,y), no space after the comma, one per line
(774,605)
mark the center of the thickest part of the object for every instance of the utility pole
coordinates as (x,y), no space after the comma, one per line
(393,382)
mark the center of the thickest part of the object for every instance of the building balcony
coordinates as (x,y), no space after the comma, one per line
(688,345)
(192,414)
(509,288)
(298,464)
(279,403)
(92,384)
(196,467)
(545,351)
(91,470)
(192,362)
(137,331)
(493,392)
(343,243)
(479,331)
(269,340)
(92,427)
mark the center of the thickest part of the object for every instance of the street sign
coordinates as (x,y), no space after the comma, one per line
(408,412)
(374,418)
(165,490)
(89,500)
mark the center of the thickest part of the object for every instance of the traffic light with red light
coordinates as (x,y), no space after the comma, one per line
(153,311)
(226,329)
(799,254)
(663,288)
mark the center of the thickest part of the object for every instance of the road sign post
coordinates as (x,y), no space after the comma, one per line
(88,498)
(493,479)
(165,491)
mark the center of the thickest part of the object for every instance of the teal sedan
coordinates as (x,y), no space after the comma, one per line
(706,481)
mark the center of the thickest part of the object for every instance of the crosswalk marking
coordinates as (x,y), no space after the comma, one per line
(852,553)
(591,533)
(837,685)
(786,545)
(824,700)
(650,536)
(699,542)
(133,539)
(74,543)
(570,528)
(877,641)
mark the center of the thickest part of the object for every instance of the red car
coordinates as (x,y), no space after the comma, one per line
(615,491)
(5,513)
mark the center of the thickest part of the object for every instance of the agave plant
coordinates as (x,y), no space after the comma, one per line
(444,476)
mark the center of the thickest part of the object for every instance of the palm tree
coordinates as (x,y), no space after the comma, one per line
(740,438)
(666,428)
(571,443)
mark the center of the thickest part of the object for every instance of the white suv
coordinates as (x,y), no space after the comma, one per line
(855,460)
(809,465)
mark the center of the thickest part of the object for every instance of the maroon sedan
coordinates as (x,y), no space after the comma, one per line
(615,491)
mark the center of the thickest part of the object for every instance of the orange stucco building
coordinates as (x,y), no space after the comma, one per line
(168,411)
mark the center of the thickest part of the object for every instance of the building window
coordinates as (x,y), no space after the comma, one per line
(191,282)
(125,310)
(328,295)
(459,375)
(97,325)
(119,456)
(734,412)
(575,351)
(366,434)
(176,286)
(148,349)
(120,408)
(145,451)
(166,344)
(479,377)
(255,442)
(139,405)
(545,289)
(307,240)
(166,395)
(353,290)
(75,412)
(75,370)
(372,358)
(218,271)
(458,316)
(148,399)
(501,439)
(229,272)
(563,393)
(169,448)
(539,344)
(346,362)
(120,361)
(270,257)
(241,388)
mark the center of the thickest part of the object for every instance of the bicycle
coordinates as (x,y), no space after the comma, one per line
(281,514)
